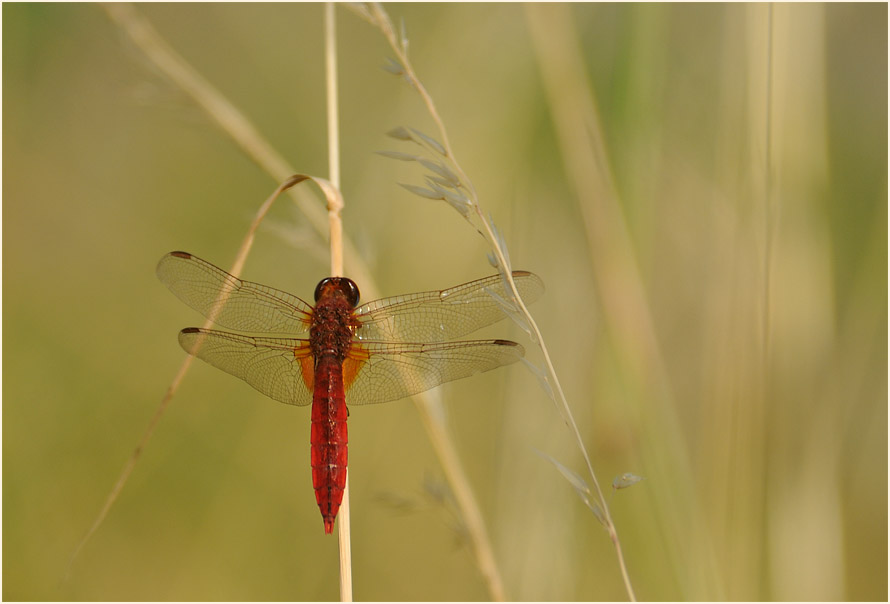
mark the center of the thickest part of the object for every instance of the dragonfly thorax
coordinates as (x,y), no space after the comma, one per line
(330,333)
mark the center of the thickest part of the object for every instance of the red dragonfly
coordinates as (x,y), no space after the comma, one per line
(354,355)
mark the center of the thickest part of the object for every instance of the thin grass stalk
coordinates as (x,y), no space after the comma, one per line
(231,121)
(225,115)
(759,459)
(235,270)
(802,261)
(378,17)
(438,433)
(336,229)
(620,284)
(429,405)
(768,200)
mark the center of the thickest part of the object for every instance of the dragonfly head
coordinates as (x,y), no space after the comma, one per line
(346,287)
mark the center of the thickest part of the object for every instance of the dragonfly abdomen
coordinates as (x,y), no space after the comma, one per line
(328,443)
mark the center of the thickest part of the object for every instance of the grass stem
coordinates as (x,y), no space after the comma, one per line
(377,16)
(336,234)
(234,123)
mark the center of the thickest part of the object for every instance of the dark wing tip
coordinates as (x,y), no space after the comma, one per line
(514,348)
(163,263)
(191,330)
(528,275)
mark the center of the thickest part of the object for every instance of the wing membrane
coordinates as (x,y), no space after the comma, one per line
(390,371)
(281,368)
(231,302)
(382,364)
(274,366)
(437,316)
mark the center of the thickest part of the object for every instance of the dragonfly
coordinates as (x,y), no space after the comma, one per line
(337,353)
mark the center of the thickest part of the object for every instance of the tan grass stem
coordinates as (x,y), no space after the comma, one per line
(235,270)
(437,431)
(377,16)
(231,121)
(336,233)
(619,283)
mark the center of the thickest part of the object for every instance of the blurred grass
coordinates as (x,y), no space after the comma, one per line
(768,482)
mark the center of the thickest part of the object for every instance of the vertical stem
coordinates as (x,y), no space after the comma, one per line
(330,53)
(335,206)
(768,200)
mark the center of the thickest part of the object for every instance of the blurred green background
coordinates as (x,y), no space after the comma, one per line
(724,333)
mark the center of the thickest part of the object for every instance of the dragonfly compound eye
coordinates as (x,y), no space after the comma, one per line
(345,286)
(349,289)
(321,286)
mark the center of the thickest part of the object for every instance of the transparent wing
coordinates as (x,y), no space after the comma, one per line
(437,316)
(231,302)
(280,368)
(373,372)
(376,372)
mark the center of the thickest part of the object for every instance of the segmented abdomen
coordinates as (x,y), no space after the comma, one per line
(328,440)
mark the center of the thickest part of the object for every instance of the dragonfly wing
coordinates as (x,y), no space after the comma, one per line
(229,301)
(280,368)
(438,316)
(376,372)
